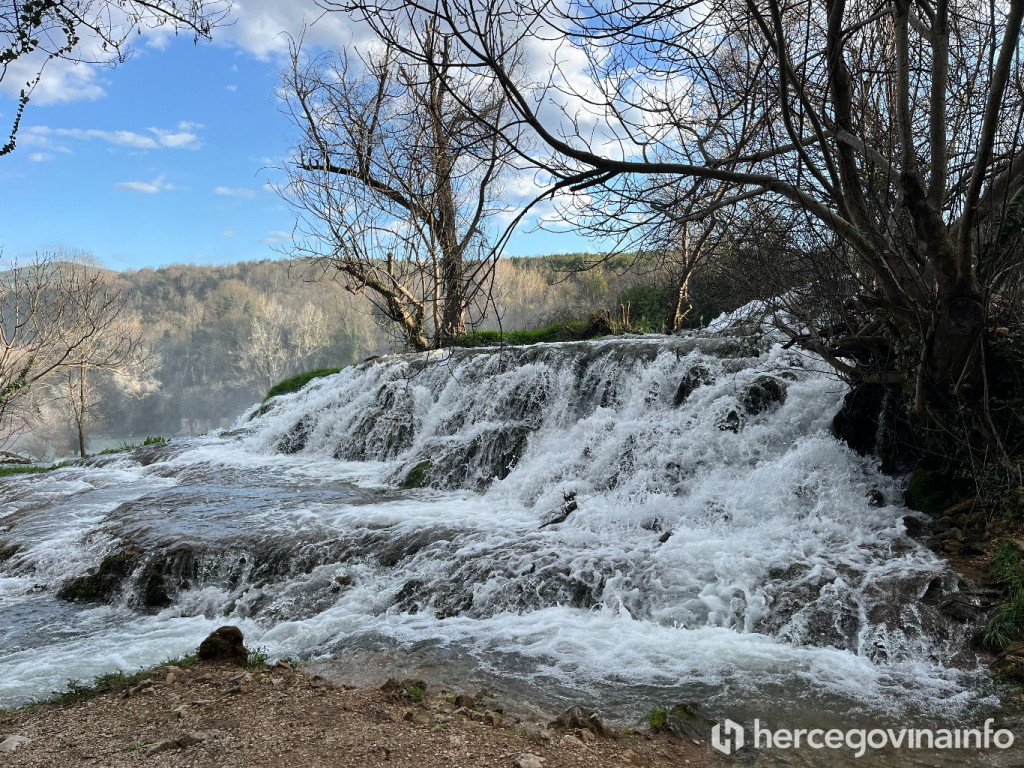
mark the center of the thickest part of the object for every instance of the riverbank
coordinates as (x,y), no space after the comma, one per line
(214,714)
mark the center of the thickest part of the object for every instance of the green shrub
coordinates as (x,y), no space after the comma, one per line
(297,382)
(599,324)
(257,658)
(658,718)
(1007,624)
(649,306)
(416,693)
(123,447)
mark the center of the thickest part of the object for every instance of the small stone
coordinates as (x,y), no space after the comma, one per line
(529,760)
(169,680)
(629,757)
(11,743)
(571,741)
(465,700)
(585,735)
(493,719)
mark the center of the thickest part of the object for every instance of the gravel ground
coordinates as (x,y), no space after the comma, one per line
(218,715)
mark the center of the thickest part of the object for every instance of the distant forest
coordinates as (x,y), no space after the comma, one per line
(219,336)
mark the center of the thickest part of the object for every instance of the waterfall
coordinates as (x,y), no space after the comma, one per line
(630,519)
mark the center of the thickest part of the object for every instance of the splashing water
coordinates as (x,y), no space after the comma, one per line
(624,522)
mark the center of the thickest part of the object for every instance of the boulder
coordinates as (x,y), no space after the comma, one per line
(763,394)
(578,718)
(697,376)
(225,644)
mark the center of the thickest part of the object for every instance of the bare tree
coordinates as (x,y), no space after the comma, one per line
(893,129)
(60,317)
(280,341)
(36,32)
(394,178)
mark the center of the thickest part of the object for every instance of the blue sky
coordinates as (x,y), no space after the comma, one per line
(166,158)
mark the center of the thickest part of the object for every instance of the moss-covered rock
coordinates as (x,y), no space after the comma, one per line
(225,644)
(419,476)
(101,585)
(934,492)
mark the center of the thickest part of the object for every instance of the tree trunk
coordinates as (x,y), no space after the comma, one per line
(953,368)
(81,411)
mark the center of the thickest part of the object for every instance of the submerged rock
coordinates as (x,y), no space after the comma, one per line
(106,581)
(224,644)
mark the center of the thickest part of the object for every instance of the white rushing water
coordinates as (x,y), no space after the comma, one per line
(626,522)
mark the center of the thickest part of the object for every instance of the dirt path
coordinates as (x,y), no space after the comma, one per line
(217,715)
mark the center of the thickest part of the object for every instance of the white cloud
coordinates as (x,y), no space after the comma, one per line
(243,192)
(227,233)
(62,81)
(276,236)
(232,88)
(147,187)
(183,136)
(40,157)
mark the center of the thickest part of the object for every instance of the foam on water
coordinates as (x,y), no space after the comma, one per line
(635,521)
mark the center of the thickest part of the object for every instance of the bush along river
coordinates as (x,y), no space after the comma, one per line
(622,523)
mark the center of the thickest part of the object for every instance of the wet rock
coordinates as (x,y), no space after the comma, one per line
(697,376)
(876,498)
(224,644)
(914,525)
(11,743)
(730,422)
(7,551)
(686,722)
(569,506)
(765,393)
(418,476)
(530,760)
(106,581)
(576,718)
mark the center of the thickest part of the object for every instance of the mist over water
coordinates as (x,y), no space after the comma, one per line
(623,523)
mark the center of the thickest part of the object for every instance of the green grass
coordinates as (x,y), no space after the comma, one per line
(297,382)
(123,447)
(1007,625)
(577,330)
(416,693)
(257,658)
(657,718)
(22,469)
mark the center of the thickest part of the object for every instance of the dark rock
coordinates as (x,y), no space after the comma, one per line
(7,551)
(579,718)
(465,700)
(876,498)
(155,594)
(695,377)
(730,423)
(404,690)
(225,644)
(569,506)
(914,525)
(935,492)
(664,537)
(763,394)
(103,584)
(419,476)
(687,722)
